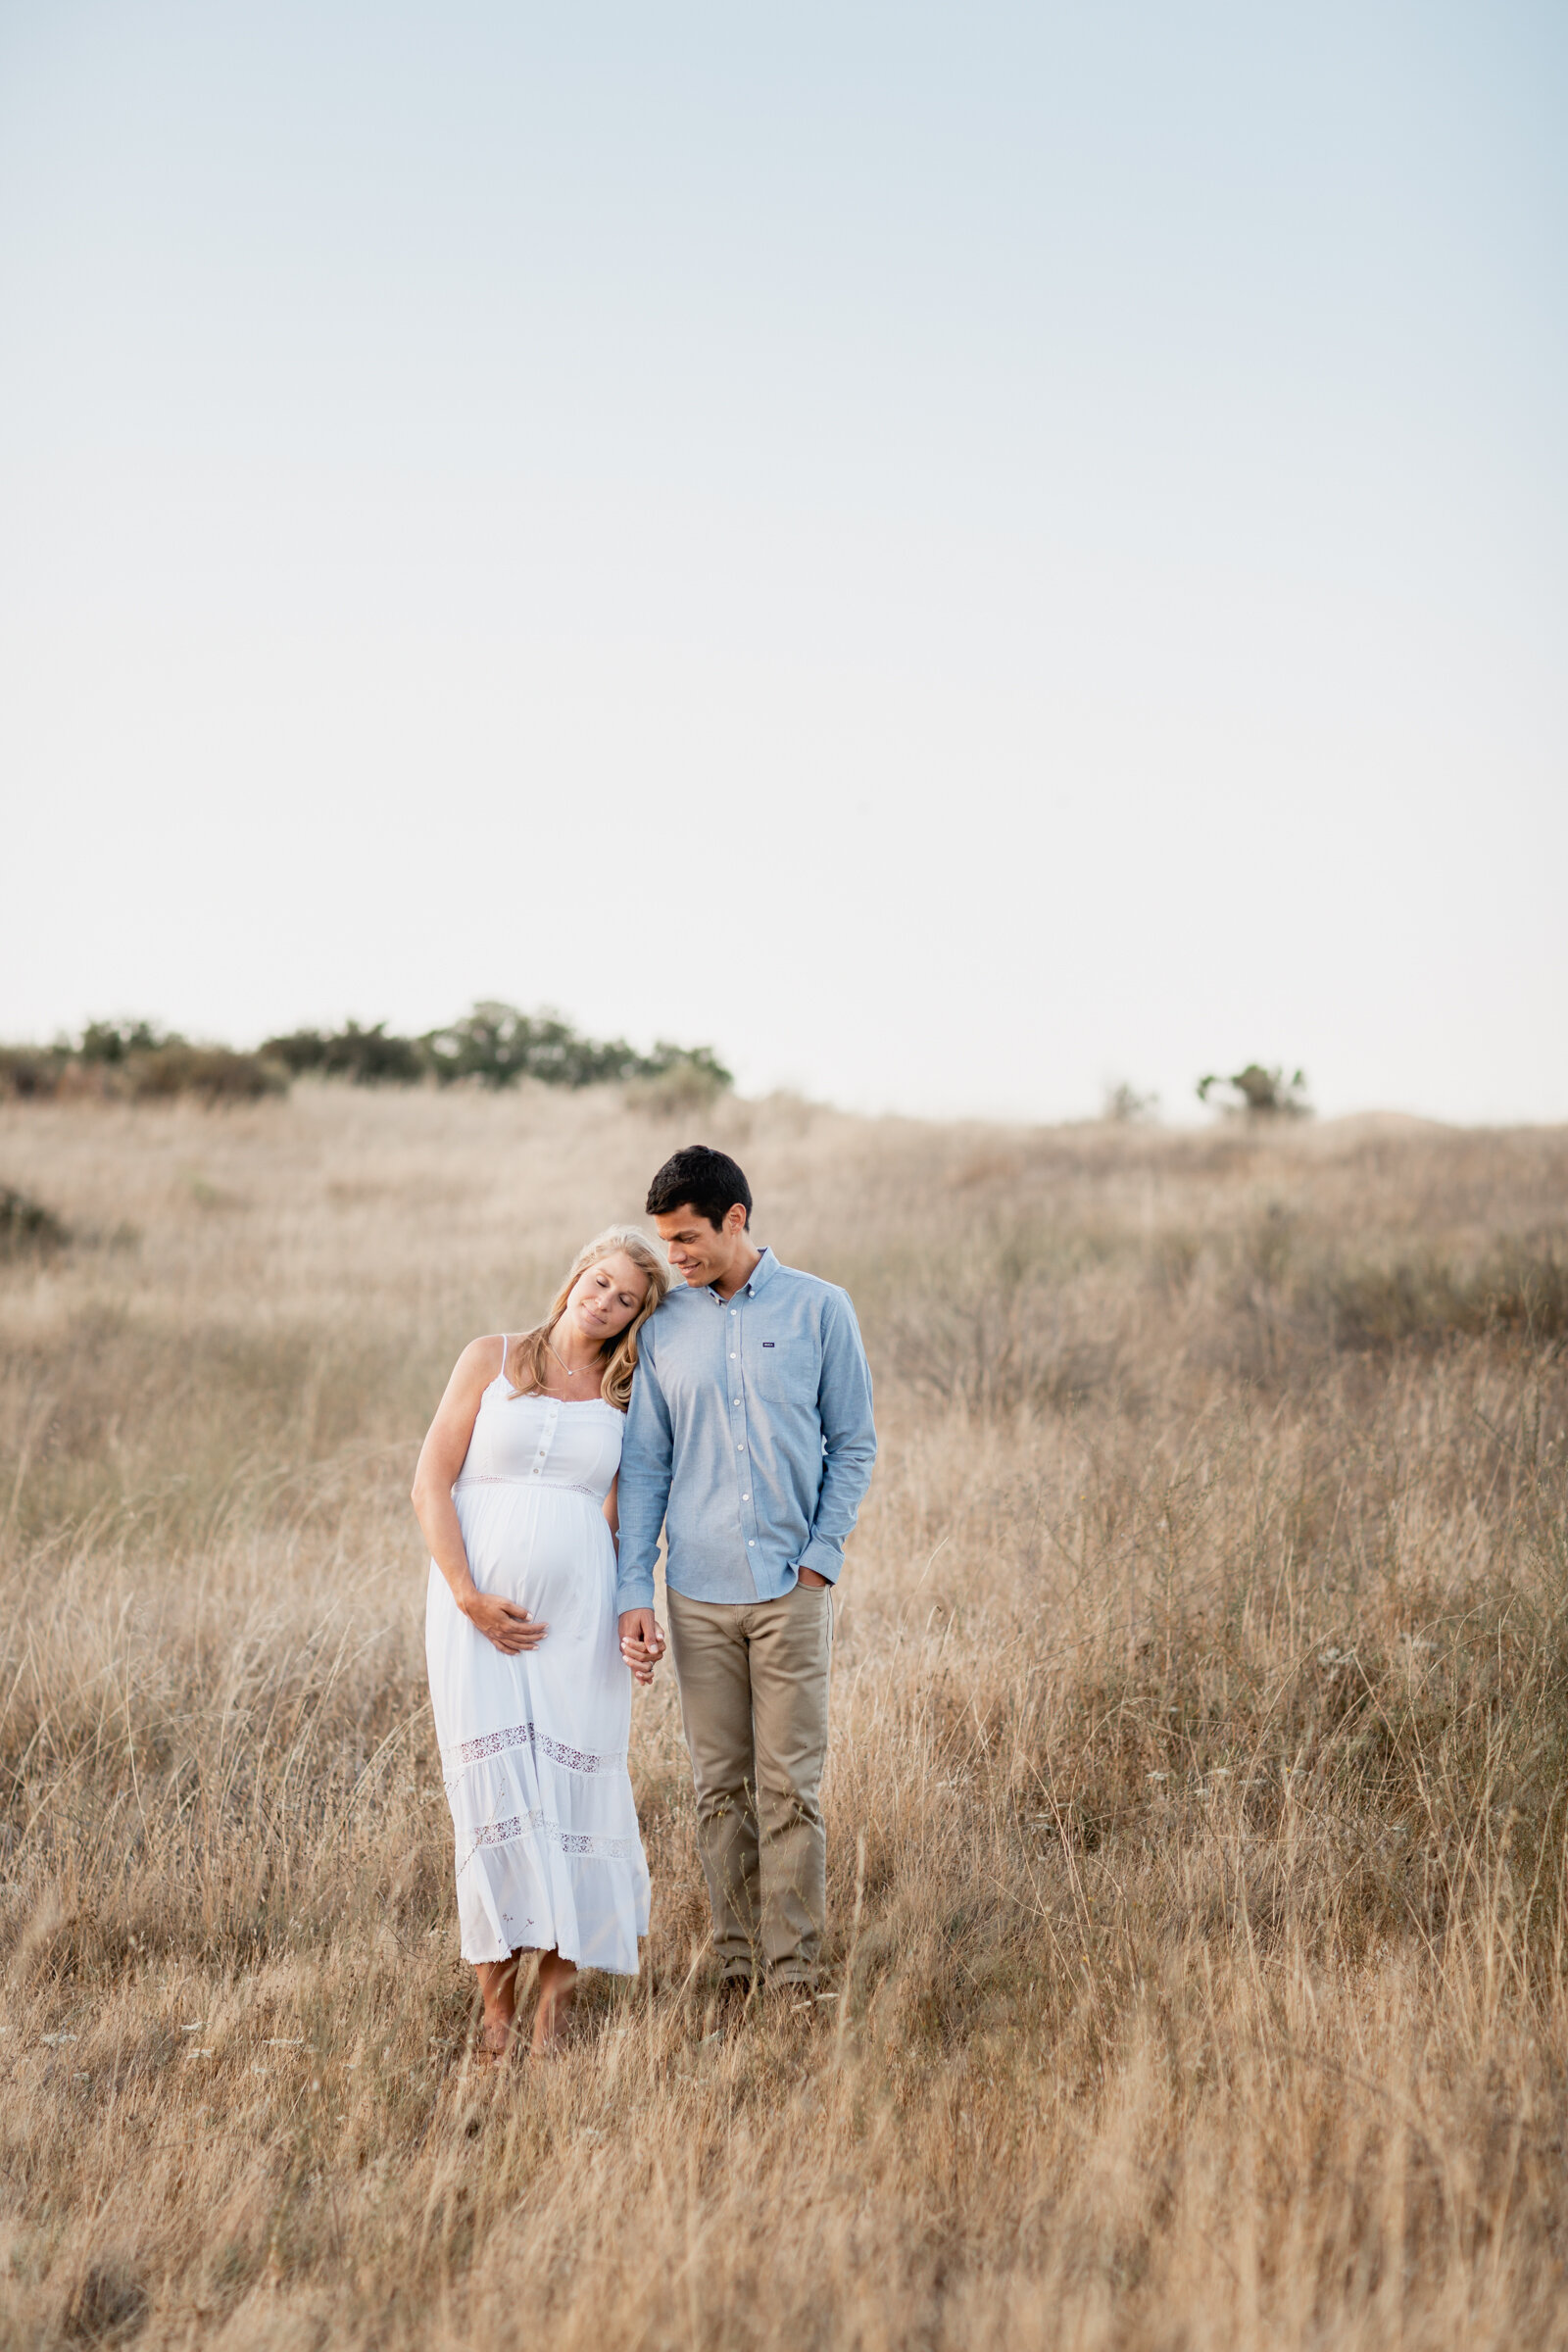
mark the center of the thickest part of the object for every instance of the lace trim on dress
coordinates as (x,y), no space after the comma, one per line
(497,1477)
(524,1734)
(571,1842)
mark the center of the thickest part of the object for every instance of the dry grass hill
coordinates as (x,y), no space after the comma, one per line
(1198,1798)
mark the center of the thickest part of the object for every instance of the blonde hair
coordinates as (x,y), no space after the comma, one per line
(620,1354)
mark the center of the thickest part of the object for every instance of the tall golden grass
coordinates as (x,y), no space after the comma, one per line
(1196,1799)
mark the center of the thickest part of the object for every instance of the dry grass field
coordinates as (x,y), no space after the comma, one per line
(1197,1796)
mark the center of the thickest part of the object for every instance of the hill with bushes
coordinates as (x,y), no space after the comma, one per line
(493,1045)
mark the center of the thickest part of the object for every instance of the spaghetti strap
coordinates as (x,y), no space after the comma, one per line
(505,1343)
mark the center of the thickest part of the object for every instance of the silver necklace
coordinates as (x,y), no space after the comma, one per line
(561,1361)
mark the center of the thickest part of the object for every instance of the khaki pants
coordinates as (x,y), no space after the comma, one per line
(754,1682)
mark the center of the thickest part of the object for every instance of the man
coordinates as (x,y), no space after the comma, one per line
(749,1441)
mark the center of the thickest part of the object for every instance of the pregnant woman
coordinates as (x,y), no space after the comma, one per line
(515,1493)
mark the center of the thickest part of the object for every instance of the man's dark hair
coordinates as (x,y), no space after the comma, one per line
(700,1178)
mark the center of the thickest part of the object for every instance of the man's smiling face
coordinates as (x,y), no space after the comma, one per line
(700,1255)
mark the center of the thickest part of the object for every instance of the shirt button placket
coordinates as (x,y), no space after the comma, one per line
(737,1407)
(545,1435)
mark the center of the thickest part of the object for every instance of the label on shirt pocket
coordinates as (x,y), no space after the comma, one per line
(786,1367)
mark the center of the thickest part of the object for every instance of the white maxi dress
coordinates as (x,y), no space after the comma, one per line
(533,1747)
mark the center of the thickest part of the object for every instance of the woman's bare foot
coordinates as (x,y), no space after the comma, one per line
(558,1985)
(498,1989)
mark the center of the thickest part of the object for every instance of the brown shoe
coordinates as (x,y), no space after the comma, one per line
(733,1997)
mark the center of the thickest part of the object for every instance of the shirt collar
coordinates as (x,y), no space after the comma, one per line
(759,1274)
(761,1271)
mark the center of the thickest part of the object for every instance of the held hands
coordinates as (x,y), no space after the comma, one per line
(642,1644)
(503,1623)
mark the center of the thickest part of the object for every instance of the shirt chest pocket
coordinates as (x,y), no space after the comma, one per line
(784,1369)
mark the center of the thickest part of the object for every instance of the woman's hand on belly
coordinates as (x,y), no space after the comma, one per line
(502,1622)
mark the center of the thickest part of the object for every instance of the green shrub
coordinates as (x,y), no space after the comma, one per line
(32,1073)
(1125,1107)
(27,1226)
(215,1073)
(115,1041)
(496,1045)
(131,1062)
(1261,1094)
(367,1057)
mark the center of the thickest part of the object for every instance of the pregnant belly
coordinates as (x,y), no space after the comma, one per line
(547,1548)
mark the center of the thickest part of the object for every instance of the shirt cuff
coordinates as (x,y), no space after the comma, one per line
(826,1558)
(634,1589)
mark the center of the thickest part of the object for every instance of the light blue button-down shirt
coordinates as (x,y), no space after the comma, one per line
(748,1439)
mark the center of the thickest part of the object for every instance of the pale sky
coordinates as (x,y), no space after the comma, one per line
(957,552)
